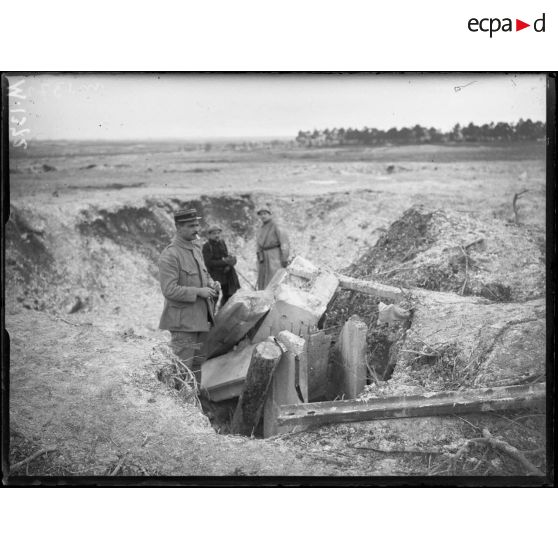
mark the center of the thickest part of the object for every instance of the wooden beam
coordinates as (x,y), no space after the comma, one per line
(443,403)
(250,405)
(371,288)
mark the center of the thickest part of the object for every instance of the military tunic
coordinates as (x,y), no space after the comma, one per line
(272,251)
(187,316)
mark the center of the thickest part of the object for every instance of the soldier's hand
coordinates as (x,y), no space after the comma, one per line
(207,292)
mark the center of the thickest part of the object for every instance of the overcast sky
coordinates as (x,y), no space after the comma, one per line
(151,106)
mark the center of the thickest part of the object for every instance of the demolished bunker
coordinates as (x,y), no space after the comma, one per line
(270,348)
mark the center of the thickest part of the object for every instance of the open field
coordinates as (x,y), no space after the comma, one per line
(89,220)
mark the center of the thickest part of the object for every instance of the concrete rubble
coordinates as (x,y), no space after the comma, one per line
(268,349)
(279,363)
(288,312)
(301,295)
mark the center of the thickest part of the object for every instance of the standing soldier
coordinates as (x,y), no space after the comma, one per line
(219,263)
(272,248)
(189,291)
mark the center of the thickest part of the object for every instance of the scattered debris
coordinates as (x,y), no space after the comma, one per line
(116,470)
(497,444)
(301,295)
(24,462)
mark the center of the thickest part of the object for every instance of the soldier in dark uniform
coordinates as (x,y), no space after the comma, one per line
(219,263)
(189,291)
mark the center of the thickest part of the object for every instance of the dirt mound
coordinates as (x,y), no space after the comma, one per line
(457,343)
(456,252)
(404,239)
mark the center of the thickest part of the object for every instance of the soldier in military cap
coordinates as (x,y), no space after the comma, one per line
(189,291)
(219,263)
(272,248)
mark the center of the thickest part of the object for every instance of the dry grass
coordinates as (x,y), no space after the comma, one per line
(168,368)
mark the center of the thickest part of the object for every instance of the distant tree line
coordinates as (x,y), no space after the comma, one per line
(501,131)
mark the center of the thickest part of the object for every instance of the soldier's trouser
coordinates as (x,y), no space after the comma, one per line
(188,347)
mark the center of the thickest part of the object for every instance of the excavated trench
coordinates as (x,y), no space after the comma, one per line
(107,259)
(92,264)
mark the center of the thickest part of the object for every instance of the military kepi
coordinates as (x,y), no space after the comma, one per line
(186,216)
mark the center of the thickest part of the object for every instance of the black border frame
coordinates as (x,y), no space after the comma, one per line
(304,481)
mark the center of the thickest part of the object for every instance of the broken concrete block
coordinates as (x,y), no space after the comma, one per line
(265,359)
(296,310)
(289,384)
(241,312)
(305,276)
(352,353)
(302,293)
(292,315)
(223,377)
(318,346)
